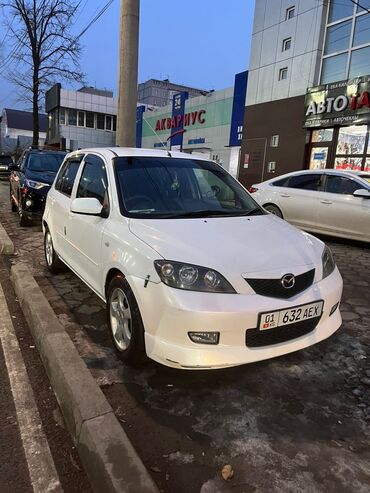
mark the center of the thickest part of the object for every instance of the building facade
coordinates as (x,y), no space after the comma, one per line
(209,125)
(307,102)
(156,92)
(16,130)
(83,118)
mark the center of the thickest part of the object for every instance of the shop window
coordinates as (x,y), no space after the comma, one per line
(62,116)
(283,73)
(90,117)
(289,13)
(351,140)
(72,117)
(362,30)
(305,182)
(100,121)
(360,62)
(334,68)
(319,157)
(322,135)
(348,163)
(81,118)
(337,37)
(340,9)
(274,141)
(367,165)
(341,185)
(287,44)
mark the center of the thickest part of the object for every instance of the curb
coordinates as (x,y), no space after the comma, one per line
(106,453)
(6,244)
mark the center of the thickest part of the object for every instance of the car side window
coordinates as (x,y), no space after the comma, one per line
(67,175)
(94,182)
(305,182)
(283,182)
(341,185)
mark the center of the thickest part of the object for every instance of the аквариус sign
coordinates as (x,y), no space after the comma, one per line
(339,103)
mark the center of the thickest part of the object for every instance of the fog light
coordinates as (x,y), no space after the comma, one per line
(334,309)
(204,337)
(28,203)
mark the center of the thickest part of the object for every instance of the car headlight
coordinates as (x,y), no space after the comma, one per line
(36,184)
(192,277)
(328,262)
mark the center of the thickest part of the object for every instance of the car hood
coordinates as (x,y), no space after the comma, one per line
(248,246)
(42,176)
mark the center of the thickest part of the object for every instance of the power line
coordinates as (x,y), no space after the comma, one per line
(361,6)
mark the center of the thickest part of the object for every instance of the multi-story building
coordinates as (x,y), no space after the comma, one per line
(308,103)
(160,92)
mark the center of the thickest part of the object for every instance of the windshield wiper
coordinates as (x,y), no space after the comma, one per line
(200,213)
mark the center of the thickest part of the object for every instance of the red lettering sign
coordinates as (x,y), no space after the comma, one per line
(364,100)
(176,121)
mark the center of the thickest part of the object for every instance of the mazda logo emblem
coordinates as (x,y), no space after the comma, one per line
(288,281)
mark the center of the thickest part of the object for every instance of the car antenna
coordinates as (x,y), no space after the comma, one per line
(160,140)
(182,131)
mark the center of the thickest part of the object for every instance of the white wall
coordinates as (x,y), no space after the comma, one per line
(270,28)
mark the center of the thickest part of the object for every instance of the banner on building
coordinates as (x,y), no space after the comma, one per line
(340,103)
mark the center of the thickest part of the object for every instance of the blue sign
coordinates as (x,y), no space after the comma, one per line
(237,118)
(200,140)
(178,111)
(139,124)
(319,156)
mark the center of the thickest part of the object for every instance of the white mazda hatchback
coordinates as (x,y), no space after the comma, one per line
(195,274)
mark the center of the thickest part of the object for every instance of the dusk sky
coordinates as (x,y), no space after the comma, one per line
(201,43)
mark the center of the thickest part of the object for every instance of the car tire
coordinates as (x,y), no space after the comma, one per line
(13,205)
(53,262)
(125,323)
(23,219)
(274,209)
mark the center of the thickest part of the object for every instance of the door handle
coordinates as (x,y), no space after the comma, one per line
(326,202)
(284,195)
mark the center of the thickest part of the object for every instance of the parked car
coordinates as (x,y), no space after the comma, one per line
(325,201)
(194,273)
(6,161)
(31,181)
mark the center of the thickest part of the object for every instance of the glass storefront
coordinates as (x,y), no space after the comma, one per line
(340,148)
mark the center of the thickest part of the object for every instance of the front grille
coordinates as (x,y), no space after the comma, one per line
(260,338)
(274,289)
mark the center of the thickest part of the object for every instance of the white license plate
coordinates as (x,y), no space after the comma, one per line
(271,320)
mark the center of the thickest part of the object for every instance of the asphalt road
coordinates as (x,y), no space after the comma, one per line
(296,423)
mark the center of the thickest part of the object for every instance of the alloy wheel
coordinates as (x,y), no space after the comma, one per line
(49,250)
(120,319)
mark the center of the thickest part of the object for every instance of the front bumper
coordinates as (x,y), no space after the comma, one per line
(169,314)
(35,210)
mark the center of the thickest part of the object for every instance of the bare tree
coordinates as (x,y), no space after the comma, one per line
(43,49)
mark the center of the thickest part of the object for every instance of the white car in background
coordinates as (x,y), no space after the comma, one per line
(324,201)
(194,273)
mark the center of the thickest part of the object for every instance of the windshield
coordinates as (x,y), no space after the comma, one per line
(365,177)
(45,162)
(151,187)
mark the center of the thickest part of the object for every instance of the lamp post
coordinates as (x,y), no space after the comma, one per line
(128,73)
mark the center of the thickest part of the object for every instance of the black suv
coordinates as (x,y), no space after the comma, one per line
(6,162)
(31,181)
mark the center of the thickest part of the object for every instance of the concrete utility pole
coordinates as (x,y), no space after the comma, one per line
(128,73)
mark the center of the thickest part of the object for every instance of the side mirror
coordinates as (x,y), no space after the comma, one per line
(89,206)
(362,193)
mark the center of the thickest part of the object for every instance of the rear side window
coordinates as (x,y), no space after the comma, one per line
(283,182)
(305,182)
(341,185)
(67,176)
(94,181)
